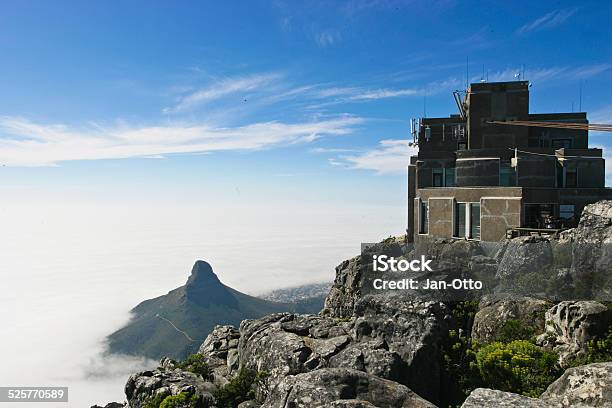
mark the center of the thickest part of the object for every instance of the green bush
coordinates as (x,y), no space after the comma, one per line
(515,330)
(195,363)
(518,366)
(240,388)
(154,402)
(598,350)
(182,400)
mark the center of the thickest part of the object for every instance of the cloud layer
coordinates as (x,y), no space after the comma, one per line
(25,143)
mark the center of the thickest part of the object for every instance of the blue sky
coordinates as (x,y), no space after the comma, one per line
(267,100)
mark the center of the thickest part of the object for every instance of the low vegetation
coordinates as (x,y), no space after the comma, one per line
(195,363)
(241,388)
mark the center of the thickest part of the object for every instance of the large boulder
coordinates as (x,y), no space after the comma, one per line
(165,381)
(341,387)
(497,310)
(487,398)
(592,251)
(571,324)
(220,350)
(389,337)
(584,386)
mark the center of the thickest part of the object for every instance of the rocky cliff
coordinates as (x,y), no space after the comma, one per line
(371,348)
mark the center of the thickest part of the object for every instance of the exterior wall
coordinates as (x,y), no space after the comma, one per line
(500,207)
(536,171)
(441,216)
(497,214)
(411,195)
(477,172)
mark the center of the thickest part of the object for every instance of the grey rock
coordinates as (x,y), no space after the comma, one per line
(584,386)
(111,405)
(487,398)
(496,310)
(571,324)
(344,388)
(167,380)
(523,255)
(249,404)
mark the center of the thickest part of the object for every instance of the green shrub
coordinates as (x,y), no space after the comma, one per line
(518,366)
(598,350)
(515,330)
(240,388)
(154,402)
(182,400)
(195,363)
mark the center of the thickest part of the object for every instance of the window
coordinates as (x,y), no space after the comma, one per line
(507,175)
(475,221)
(462,146)
(449,177)
(460,220)
(438,177)
(571,178)
(467,220)
(424,218)
(566,211)
(561,143)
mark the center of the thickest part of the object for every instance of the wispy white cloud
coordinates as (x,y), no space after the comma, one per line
(331,150)
(390,156)
(545,74)
(25,143)
(222,89)
(547,21)
(327,38)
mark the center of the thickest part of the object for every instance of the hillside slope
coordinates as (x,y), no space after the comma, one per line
(175,324)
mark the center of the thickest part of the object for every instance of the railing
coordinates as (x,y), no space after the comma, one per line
(513,232)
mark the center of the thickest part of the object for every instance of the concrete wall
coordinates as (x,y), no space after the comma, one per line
(497,214)
(441,217)
(477,172)
(536,171)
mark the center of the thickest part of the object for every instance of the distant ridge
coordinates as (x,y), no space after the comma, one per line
(175,324)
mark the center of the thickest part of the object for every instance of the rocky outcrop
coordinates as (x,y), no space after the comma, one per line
(487,398)
(165,381)
(585,386)
(570,325)
(581,387)
(496,311)
(221,352)
(341,387)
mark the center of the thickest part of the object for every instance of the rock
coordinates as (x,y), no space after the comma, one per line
(570,325)
(340,387)
(523,255)
(584,386)
(165,381)
(111,405)
(220,350)
(592,252)
(487,398)
(249,404)
(496,310)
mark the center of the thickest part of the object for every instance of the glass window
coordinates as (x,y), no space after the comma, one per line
(507,175)
(566,211)
(460,220)
(461,146)
(424,218)
(438,177)
(475,221)
(449,176)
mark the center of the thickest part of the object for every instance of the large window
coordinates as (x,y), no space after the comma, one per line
(424,218)
(449,177)
(567,211)
(507,175)
(467,220)
(475,221)
(460,220)
(438,177)
(571,178)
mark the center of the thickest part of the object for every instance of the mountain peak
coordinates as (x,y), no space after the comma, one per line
(204,287)
(202,275)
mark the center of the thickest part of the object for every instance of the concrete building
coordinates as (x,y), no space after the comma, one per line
(473,179)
